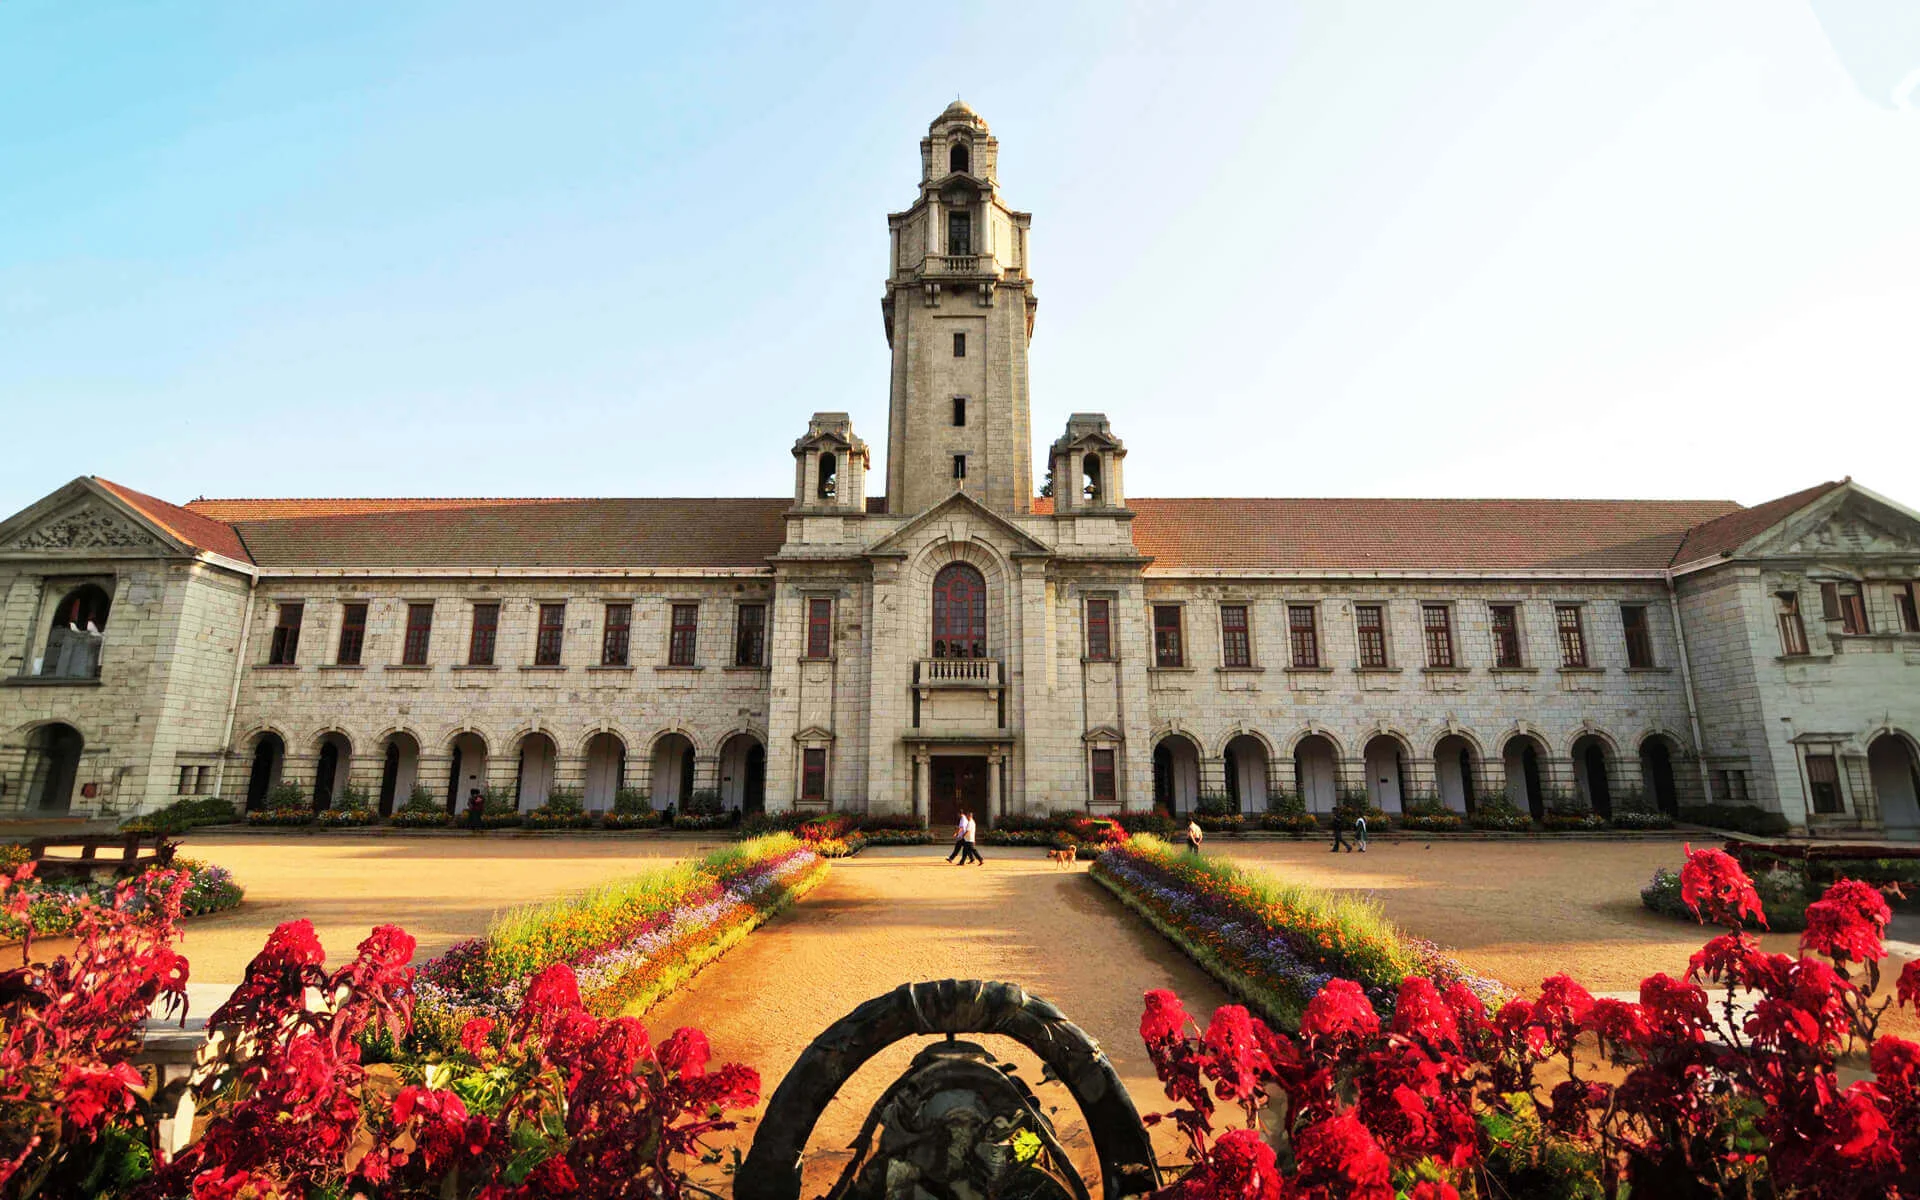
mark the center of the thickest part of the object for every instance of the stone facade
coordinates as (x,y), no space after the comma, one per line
(960,640)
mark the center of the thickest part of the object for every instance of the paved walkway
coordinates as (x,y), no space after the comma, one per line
(896,915)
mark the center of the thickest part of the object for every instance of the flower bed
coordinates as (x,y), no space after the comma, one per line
(53,905)
(1297,823)
(1272,943)
(703,821)
(1431,818)
(1500,817)
(281,816)
(1572,821)
(629,943)
(344,818)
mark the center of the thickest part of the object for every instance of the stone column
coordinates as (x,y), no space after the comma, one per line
(922,765)
(993,787)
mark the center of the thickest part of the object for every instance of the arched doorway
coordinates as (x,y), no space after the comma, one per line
(76,634)
(1386,776)
(1591,773)
(1896,781)
(1656,775)
(269,756)
(1454,772)
(606,770)
(330,770)
(1524,758)
(1246,763)
(53,761)
(533,771)
(1316,773)
(466,771)
(1176,773)
(743,773)
(399,768)
(671,773)
(959,612)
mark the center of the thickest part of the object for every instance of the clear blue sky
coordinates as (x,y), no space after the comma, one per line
(1611,249)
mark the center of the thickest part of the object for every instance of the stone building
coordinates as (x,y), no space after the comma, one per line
(955,638)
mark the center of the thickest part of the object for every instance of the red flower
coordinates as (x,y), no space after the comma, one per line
(474,1036)
(1856,1131)
(293,943)
(1908,988)
(686,1053)
(1806,1004)
(1712,880)
(1675,1010)
(1164,1017)
(1340,1156)
(1848,922)
(1429,1190)
(1420,1011)
(1238,1059)
(1341,1009)
(1242,1166)
(1736,958)
(1619,1023)
(1896,1067)
(1561,1010)
(553,990)
(94,1090)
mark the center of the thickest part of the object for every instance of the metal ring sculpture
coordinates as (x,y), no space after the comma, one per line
(950,1006)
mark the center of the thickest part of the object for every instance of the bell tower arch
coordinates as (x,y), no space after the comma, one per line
(958,309)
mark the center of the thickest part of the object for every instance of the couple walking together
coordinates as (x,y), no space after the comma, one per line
(963,835)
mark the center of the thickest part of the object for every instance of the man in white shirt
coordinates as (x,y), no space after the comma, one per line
(968,829)
(959,840)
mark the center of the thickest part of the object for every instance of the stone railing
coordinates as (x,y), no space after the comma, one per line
(958,672)
(958,264)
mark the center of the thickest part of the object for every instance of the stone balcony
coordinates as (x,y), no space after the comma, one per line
(977,673)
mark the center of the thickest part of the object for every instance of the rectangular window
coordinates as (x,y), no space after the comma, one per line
(550,636)
(813,775)
(353,634)
(959,466)
(1719,785)
(683,635)
(1737,786)
(1099,629)
(1303,635)
(959,410)
(617,642)
(959,345)
(1436,621)
(819,627)
(1842,602)
(186,779)
(1166,636)
(1236,648)
(960,232)
(750,636)
(1823,777)
(1573,637)
(286,636)
(1506,636)
(1104,792)
(200,780)
(413,652)
(1370,622)
(1903,601)
(1793,631)
(486,629)
(1633,622)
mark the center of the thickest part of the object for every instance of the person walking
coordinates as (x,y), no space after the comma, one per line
(959,839)
(969,851)
(1360,832)
(1195,835)
(476,808)
(1339,838)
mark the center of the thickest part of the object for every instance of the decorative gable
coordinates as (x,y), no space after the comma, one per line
(1853,523)
(89,526)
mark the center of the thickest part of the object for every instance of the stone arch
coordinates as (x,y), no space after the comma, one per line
(1661,779)
(960,158)
(469,756)
(1237,730)
(536,767)
(53,751)
(266,761)
(399,768)
(77,632)
(332,766)
(672,758)
(743,770)
(1595,756)
(667,731)
(1458,767)
(1526,757)
(958,627)
(605,752)
(1176,770)
(1247,759)
(994,571)
(1893,764)
(1333,739)
(1316,756)
(1387,756)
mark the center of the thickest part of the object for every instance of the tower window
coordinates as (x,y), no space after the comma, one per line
(959,466)
(959,345)
(959,232)
(1090,479)
(959,410)
(829,484)
(959,162)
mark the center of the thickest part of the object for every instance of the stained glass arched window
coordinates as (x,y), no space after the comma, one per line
(959,612)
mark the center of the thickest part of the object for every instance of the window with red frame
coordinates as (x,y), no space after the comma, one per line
(1436,621)
(413,651)
(1166,636)
(1099,629)
(813,775)
(1506,636)
(1371,625)
(486,631)
(1104,791)
(959,612)
(1303,635)
(1633,623)
(682,638)
(750,636)
(1842,602)
(285,646)
(1573,636)
(353,634)
(819,627)
(616,643)
(553,627)
(1236,647)
(1793,630)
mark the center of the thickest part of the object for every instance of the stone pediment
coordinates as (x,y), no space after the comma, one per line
(93,526)
(1855,525)
(959,509)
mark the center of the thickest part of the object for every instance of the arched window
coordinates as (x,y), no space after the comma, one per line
(829,485)
(1090,469)
(73,641)
(958,160)
(959,612)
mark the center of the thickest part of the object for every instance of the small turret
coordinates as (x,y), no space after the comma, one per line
(1086,466)
(830,465)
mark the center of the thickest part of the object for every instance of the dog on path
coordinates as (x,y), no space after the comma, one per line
(1062,856)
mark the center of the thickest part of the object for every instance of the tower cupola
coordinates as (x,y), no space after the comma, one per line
(1086,466)
(830,465)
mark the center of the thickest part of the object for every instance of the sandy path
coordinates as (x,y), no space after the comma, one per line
(896,915)
(439,889)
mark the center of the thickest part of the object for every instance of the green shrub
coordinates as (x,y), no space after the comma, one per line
(289,795)
(1155,822)
(422,811)
(1500,816)
(1431,816)
(704,802)
(617,819)
(1743,818)
(281,816)
(420,796)
(1572,820)
(1355,805)
(183,815)
(694,819)
(1216,804)
(632,802)
(1299,824)
(1641,820)
(1228,823)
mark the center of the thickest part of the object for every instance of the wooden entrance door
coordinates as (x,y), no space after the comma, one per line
(957,782)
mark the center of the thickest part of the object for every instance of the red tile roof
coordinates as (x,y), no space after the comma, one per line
(195,529)
(1733,530)
(1436,535)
